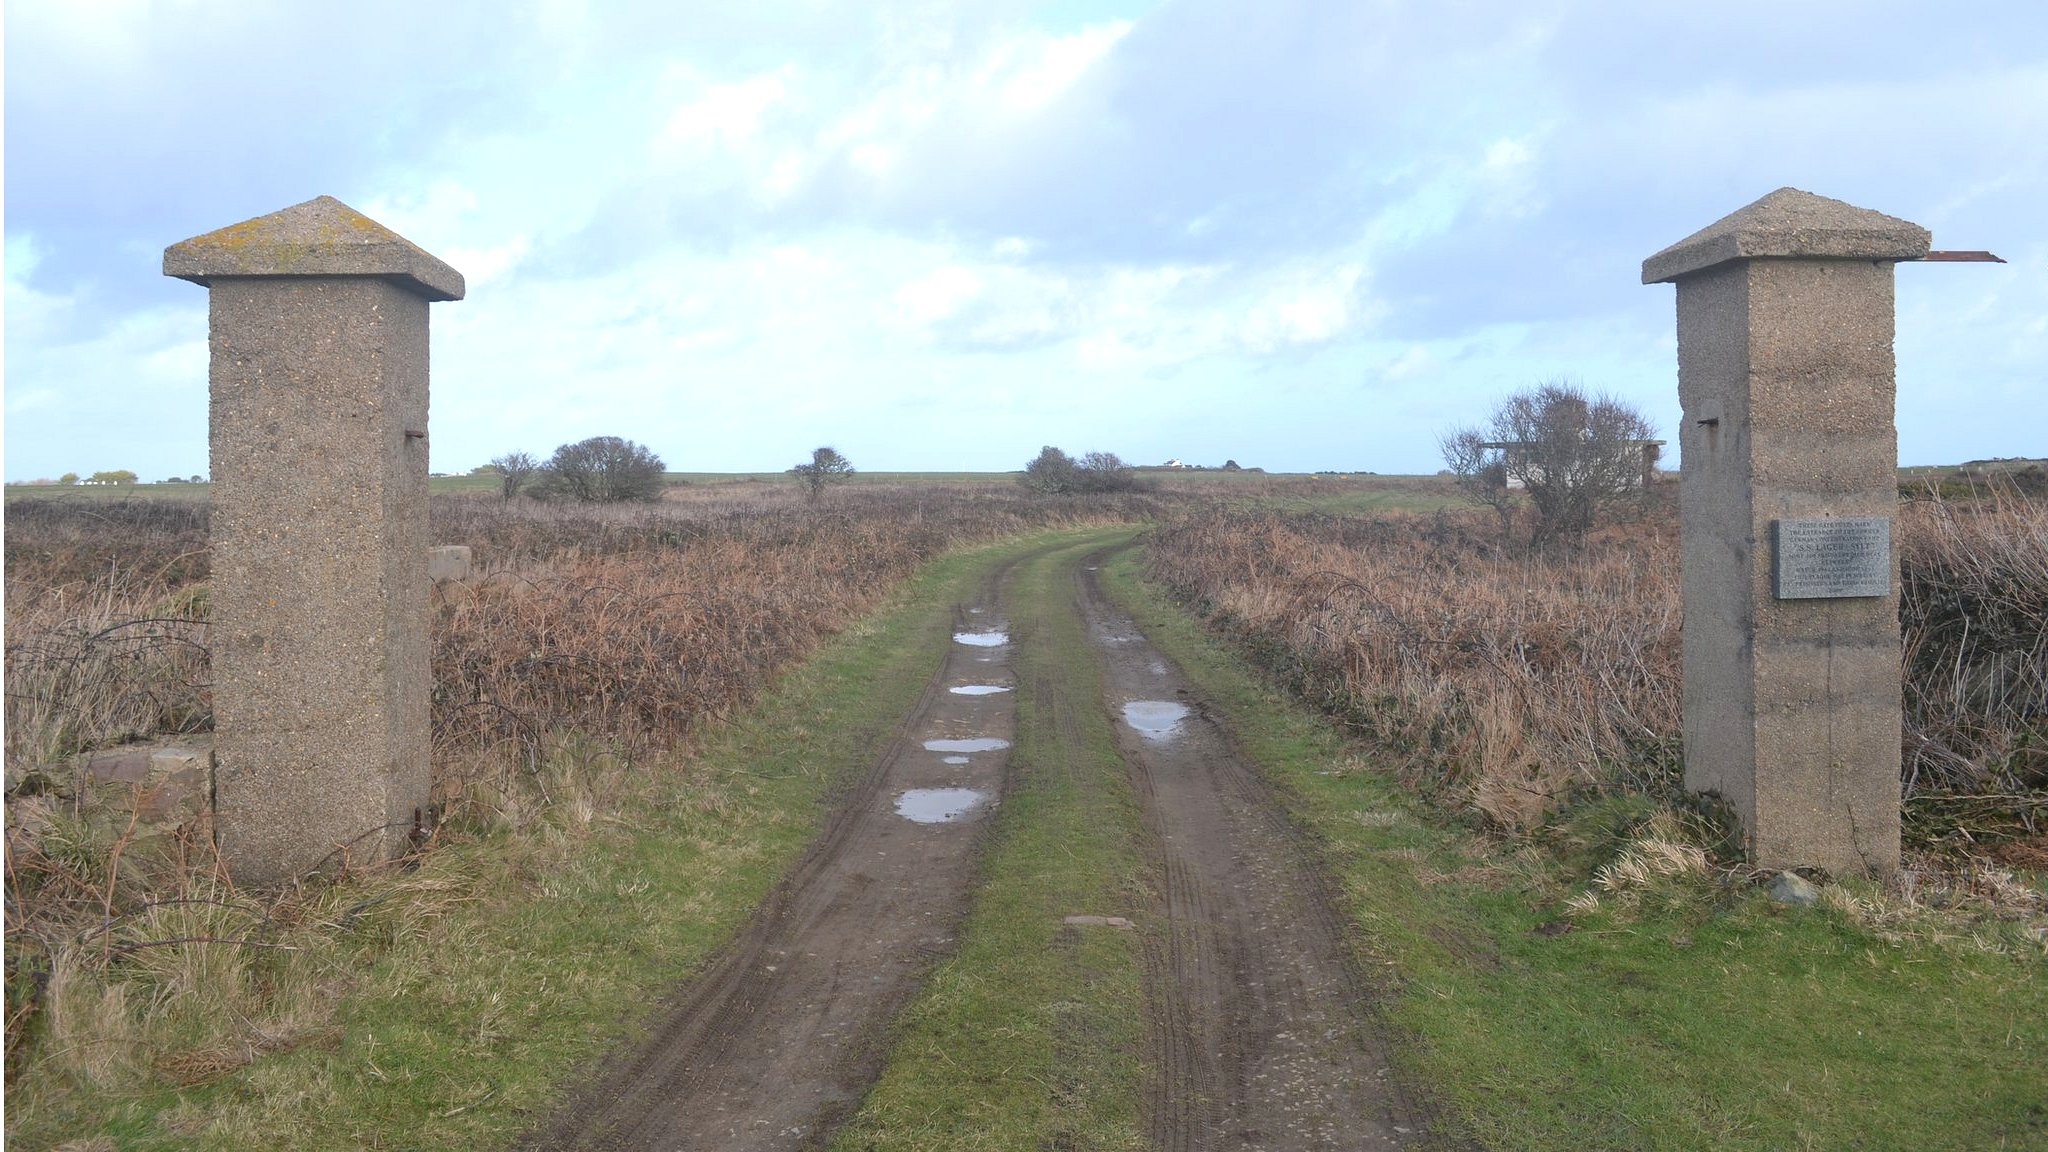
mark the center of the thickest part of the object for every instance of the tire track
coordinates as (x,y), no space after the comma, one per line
(1262,1031)
(776,1042)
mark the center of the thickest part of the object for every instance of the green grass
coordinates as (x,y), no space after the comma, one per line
(1371,500)
(455,1011)
(99,492)
(1028,1037)
(1706,1018)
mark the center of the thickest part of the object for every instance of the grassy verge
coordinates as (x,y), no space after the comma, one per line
(1028,1037)
(444,1007)
(1682,1014)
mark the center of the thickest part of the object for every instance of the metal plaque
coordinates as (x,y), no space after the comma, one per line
(1835,557)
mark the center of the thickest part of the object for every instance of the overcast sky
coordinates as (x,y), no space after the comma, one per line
(1303,234)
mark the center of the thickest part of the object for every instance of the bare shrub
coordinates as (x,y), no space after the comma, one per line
(101,661)
(1053,472)
(1571,453)
(514,469)
(825,467)
(1974,604)
(600,470)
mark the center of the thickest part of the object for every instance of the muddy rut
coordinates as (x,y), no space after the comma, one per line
(774,1046)
(1260,1026)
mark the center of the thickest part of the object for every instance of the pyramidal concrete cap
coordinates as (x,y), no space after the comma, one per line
(321,237)
(1793,224)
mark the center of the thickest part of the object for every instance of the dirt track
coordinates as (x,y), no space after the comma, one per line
(1260,1033)
(776,1044)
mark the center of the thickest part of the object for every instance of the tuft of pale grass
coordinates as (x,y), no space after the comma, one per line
(1943,901)
(90,1032)
(1661,857)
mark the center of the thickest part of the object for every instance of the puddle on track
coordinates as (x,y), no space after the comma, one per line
(974,744)
(938,805)
(991,639)
(977,689)
(1155,719)
(957,760)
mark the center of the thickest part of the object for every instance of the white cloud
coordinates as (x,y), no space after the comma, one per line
(938,294)
(481,266)
(1320,309)
(451,221)
(729,113)
(1414,364)
(1033,71)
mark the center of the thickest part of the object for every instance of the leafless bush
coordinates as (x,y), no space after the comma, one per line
(100,662)
(1572,454)
(1974,576)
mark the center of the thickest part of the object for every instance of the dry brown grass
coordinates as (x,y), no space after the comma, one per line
(1510,682)
(1505,680)
(1975,610)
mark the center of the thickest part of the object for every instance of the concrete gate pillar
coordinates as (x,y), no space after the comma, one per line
(1788,486)
(318,385)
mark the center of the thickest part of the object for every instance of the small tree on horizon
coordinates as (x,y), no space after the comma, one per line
(114,476)
(68,478)
(1106,472)
(600,470)
(1572,454)
(826,466)
(514,469)
(1054,472)
(1051,471)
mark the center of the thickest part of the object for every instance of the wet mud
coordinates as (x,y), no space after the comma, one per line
(775,1045)
(1262,1033)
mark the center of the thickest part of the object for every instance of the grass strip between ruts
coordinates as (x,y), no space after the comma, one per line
(1028,1037)
(1702,1019)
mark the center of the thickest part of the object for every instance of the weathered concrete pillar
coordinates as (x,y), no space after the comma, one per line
(319,592)
(1788,484)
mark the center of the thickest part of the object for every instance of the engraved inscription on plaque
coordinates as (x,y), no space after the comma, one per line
(1836,557)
